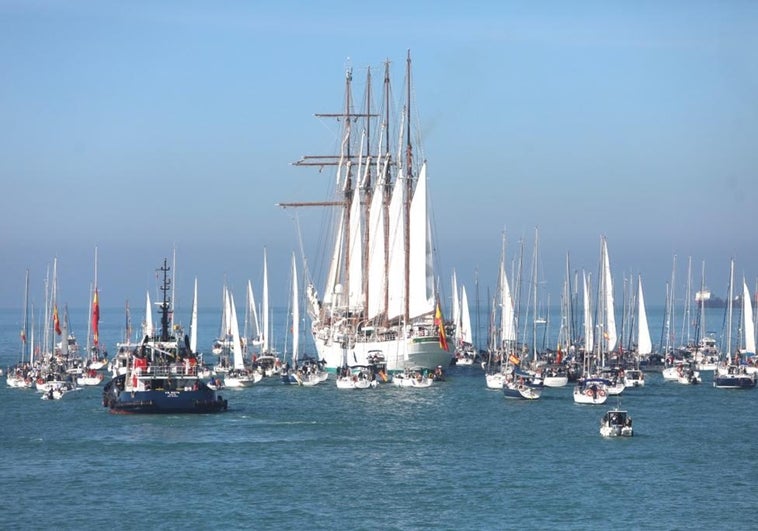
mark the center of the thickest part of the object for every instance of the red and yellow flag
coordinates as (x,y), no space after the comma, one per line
(440,324)
(56,321)
(95,318)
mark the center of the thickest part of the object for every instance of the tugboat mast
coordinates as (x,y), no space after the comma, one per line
(165,287)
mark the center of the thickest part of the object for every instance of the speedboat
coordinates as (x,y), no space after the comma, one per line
(634,378)
(616,423)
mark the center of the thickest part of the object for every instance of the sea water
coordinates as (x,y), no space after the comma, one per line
(453,456)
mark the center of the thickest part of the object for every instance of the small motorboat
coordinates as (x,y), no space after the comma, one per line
(616,423)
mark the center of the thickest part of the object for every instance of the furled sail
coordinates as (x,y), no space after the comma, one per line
(421,269)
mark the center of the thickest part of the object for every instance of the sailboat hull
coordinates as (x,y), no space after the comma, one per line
(399,354)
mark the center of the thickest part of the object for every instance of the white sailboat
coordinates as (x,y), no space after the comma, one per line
(635,377)
(307,372)
(607,326)
(503,344)
(224,343)
(464,350)
(268,359)
(19,376)
(731,373)
(379,301)
(239,375)
(747,325)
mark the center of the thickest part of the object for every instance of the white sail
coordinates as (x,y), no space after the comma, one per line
(264,310)
(193,322)
(333,287)
(224,328)
(644,343)
(508,315)
(747,320)
(456,310)
(376,250)
(610,318)
(589,336)
(256,332)
(149,327)
(421,269)
(295,314)
(396,272)
(355,253)
(238,361)
(466,333)
(226,315)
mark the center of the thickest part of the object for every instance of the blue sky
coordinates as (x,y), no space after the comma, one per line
(139,126)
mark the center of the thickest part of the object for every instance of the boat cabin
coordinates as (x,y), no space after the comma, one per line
(617,418)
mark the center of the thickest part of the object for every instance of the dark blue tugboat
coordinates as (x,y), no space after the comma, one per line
(162,374)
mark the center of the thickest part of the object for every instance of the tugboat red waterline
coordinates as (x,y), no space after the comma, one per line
(162,373)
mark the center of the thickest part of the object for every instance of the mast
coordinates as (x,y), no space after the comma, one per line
(534,294)
(265,311)
(408,189)
(348,188)
(688,293)
(367,187)
(729,306)
(173,285)
(166,299)
(385,189)
(25,329)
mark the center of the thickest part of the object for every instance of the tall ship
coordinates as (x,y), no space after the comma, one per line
(161,373)
(379,305)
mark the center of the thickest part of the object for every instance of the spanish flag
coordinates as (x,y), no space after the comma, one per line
(95,319)
(514,359)
(439,322)
(56,321)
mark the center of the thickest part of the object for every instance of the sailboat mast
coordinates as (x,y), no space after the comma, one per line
(385,189)
(686,335)
(729,306)
(408,190)
(367,186)
(25,329)
(348,187)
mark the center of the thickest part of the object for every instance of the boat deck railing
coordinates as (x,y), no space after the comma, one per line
(166,371)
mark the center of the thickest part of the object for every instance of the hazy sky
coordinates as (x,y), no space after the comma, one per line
(139,126)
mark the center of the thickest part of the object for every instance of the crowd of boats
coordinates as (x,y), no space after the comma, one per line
(379,319)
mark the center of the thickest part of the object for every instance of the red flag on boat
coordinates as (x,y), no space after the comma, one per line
(23,336)
(95,318)
(56,321)
(440,324)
